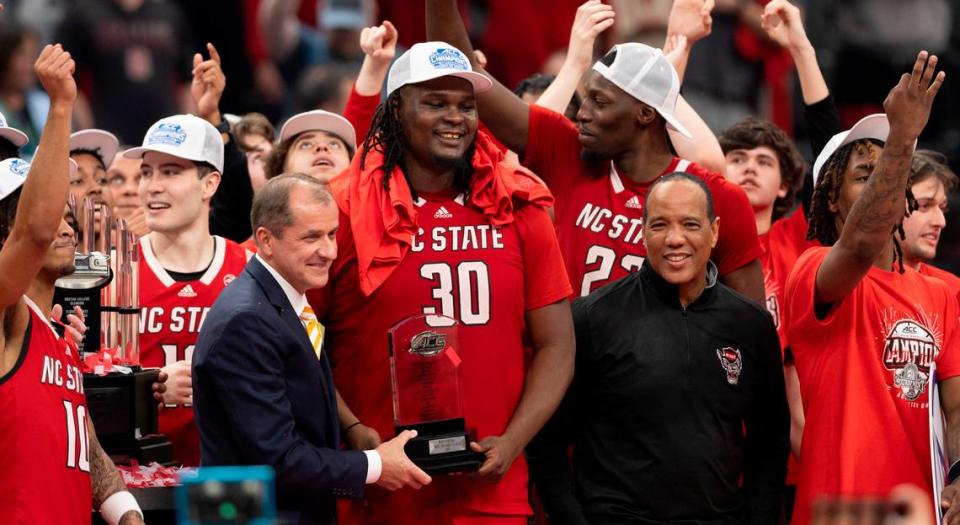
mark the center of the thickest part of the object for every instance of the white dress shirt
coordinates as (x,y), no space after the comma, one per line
(298,300)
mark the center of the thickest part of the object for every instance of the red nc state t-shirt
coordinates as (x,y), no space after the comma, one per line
(864,378)
(458,266)
(599,213)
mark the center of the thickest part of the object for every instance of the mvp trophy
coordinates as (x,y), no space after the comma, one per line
(105,286)
(427,397)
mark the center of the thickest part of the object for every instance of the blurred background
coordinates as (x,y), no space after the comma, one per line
(286,56)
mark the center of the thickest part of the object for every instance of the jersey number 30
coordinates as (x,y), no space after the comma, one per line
(471,295)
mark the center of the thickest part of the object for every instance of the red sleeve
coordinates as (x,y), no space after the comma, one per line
(801,320)
(359,111)
(738,244)
(544,274)
(553,150)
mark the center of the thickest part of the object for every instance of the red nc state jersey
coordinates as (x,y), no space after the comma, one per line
(172,312)
(458,266)
(599,213)
(45,471)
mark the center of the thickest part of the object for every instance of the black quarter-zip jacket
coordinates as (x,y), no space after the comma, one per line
(677,415)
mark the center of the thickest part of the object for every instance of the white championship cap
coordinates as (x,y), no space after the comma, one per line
(320,120)
(184,136)
(14,135)
(646,75)
(430,60)
(13,173)
(103,142)
(874,126)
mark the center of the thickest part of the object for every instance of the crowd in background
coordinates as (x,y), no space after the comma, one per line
(288,56)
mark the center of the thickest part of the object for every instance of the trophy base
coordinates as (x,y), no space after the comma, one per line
(125,416)
(145,450)
(441,447)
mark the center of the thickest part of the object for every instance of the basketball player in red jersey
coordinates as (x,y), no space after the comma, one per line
(600,169)
(433,222)
(183,267)
(55,470)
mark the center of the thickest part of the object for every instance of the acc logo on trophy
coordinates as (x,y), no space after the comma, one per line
(732,363)
(428,343)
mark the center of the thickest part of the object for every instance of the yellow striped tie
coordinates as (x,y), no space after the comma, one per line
(314,329)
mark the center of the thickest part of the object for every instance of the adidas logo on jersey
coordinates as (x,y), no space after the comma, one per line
(634,202)
(442,213)
(187,291)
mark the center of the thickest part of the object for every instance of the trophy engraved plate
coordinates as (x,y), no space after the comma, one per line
(425,373)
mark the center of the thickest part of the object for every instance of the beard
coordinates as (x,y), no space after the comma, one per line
(591,158)
(459,163)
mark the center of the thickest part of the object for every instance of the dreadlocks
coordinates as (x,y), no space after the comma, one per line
(386,136)
(823,226)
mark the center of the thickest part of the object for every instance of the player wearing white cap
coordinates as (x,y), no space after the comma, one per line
(600,169)
(184,267)
(866,331)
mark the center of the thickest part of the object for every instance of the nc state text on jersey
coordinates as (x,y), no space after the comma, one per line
(54,372)
(459,238)
(597,219)
(181,318)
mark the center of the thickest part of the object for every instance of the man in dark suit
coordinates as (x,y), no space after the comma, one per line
(263,391)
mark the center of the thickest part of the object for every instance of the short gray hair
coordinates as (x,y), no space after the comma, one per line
(271,205)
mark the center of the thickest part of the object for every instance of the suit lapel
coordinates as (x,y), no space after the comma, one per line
(276,296)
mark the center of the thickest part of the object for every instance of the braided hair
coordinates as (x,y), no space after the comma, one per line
(823,226)
(386,135)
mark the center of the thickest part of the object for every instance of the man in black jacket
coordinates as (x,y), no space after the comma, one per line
(677,411)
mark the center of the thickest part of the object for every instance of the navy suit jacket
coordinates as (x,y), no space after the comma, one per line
(261,397)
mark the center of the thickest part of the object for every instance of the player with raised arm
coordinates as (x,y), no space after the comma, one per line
(601,168)
(864,329)
(55,470)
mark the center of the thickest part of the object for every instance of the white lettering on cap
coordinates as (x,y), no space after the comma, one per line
(448,58)
(19,167)
(167,133)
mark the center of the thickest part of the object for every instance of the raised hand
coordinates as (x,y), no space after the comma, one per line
(593,18)
(909,102)
(784,25)
(398,471)
(674,46)
(208,84)
(691,18)
(379,42)
(55,69)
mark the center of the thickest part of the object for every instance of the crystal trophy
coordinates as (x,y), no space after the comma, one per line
(425,373)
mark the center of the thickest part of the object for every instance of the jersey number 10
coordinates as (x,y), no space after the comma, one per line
(77,427)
